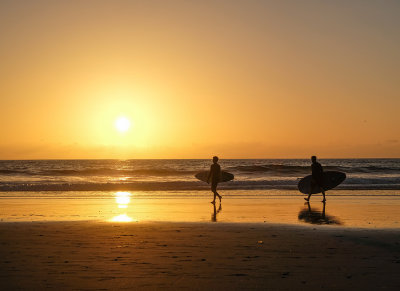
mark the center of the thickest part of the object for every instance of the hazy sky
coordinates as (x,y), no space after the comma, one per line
(241,79)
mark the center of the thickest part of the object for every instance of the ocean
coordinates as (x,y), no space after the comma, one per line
(178,175)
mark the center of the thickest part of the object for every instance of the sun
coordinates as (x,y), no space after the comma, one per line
(122,124)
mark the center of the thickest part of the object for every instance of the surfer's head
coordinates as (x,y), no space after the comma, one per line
(313,159)
(215,159)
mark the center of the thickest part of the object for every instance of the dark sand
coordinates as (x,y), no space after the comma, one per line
(206,256)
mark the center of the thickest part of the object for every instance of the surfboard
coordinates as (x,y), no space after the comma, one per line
(331,180)
(225,176)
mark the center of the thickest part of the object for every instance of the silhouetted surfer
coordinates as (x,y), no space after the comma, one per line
(317,177)
(214,176)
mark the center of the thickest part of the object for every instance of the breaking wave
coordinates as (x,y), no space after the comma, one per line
(99,172)
(349,184)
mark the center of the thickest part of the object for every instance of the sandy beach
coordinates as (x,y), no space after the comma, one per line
(111,256)
(151,244)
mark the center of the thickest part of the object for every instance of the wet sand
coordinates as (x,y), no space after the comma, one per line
(213,256)
(355,212)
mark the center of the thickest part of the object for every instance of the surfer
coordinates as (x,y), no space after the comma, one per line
(317,177)
(214,176)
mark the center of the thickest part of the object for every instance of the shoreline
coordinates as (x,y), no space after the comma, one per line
(240,193)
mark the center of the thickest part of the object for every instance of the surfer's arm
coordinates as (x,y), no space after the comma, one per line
(209,175)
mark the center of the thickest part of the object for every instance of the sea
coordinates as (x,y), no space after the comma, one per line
(252,176)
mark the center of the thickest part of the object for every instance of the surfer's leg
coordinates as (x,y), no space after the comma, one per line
(213,202)
(321,188)
(214,190)
(219,196)
(323,194)
(311,187)
(309,194)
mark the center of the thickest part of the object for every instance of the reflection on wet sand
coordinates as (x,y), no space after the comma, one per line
(215,213)
(317,217)
(121,218)
(368,212)
(122,199)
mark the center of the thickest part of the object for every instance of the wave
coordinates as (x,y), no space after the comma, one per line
(277,168)
(100,172)
(271,169)
(9,172)
(349,184)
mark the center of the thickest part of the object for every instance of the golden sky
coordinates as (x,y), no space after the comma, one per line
(240,79)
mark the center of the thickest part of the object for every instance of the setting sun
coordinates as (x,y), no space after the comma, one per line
(122,124)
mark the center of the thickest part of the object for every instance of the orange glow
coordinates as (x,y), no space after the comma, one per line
(266,80)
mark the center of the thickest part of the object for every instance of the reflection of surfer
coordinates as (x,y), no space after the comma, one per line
(317,178)
(317,217)
(214,215)
(214,176)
